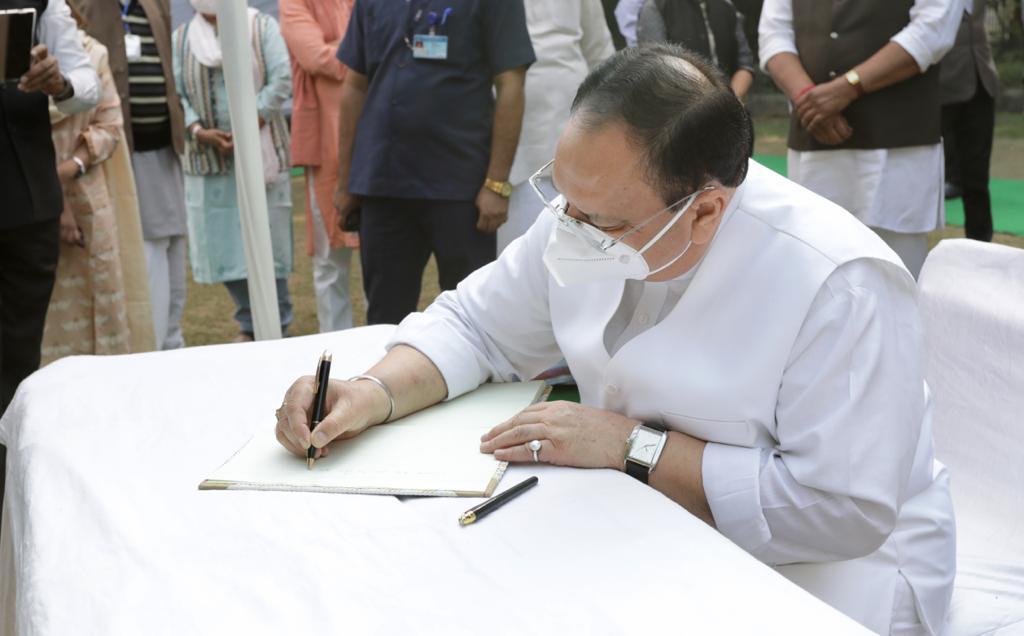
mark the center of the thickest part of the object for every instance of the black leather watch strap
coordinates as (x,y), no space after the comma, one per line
(637,471)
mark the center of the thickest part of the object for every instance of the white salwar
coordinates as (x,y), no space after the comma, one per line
(330,271)
(793,350)
(570,37)
(896,190)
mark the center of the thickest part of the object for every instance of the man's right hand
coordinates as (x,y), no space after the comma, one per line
(219,139)
(352,407)
(344,203)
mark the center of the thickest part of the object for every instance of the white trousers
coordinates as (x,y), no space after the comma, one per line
(330,272)
(912,248)
(165,263)
(523,208)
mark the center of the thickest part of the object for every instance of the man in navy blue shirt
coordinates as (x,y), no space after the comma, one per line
(431,111)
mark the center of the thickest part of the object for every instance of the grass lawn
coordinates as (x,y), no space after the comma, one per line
(208,308)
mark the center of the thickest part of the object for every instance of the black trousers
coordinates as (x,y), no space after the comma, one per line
(967,133)
(396,239)
(28,262)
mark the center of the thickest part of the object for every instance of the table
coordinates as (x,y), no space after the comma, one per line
(106,533)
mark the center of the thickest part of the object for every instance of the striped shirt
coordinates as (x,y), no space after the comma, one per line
(147,92)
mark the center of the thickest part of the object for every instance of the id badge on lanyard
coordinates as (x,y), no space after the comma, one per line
(132,42)
(429,46)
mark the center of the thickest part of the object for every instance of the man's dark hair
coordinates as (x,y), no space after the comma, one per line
(692,129)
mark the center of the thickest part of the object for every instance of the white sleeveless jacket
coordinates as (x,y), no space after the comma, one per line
(716,368)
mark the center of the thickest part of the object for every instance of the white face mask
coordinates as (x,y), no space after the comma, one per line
(572,259)
(208,7)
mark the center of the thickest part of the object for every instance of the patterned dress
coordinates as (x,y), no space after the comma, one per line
(88,311)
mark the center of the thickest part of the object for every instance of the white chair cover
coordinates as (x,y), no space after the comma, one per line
(972,308)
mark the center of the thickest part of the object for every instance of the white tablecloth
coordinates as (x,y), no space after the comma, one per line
(106,533)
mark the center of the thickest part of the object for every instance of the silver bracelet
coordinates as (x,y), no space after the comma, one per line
(380,383)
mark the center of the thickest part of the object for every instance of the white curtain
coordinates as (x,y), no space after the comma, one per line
(233,27)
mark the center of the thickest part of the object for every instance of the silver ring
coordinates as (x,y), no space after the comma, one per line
(535,447)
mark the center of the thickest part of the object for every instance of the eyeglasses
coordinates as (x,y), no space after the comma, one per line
(543,185)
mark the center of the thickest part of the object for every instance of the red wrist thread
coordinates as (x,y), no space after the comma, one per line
(803,91)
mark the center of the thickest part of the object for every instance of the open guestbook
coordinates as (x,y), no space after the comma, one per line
(435,452)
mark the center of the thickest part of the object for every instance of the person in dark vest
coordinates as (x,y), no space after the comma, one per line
(32,201)
(137,33)
(865,87)
(969,82)
(713,28)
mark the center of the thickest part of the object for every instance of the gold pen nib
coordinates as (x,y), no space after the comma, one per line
(309,463)
(467,518)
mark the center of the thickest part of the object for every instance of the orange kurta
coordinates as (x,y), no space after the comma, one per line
(313,29)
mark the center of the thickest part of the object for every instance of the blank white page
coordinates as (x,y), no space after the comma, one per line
(434,452)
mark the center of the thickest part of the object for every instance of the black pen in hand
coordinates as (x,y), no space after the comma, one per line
(323,376)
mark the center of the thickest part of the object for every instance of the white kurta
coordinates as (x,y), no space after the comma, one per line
(570,37)
(900,189)
(794,351)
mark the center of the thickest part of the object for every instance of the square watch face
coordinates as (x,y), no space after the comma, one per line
(644,446)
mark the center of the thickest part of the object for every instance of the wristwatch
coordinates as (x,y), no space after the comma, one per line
(643,449)
(501,188)
(853,78)
(81,166)
(65,93)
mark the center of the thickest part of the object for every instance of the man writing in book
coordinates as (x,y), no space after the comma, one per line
(740,344)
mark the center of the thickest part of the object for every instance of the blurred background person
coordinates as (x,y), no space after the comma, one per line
(713,28)
(570,37)
(969,82)
(431,111)
(88,311)
(216,250)
(626,14)
(137,34)
(865,130)
(313,29)
(30,223)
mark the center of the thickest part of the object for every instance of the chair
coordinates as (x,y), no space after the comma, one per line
(972,310)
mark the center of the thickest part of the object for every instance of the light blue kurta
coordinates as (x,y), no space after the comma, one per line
(216,250)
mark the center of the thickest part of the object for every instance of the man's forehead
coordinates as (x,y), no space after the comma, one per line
(600,171)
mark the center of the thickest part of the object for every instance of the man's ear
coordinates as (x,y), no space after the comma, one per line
(709,215)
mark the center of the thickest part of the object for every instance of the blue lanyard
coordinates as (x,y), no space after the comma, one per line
(434,19)
(124,14)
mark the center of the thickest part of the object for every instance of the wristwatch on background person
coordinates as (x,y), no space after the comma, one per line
(643,449)
(501,188)
(853,79)
(82,168)
(65,93)
(194,129)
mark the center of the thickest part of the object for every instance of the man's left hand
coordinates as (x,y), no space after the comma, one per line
(43,74)
(823,101)
(493,210)
(570,435)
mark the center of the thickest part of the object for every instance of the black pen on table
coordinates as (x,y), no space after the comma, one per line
(323,376)
(497,501)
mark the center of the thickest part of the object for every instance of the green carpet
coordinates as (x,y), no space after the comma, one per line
(1007,200)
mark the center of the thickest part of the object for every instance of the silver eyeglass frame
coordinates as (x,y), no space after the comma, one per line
(585,230)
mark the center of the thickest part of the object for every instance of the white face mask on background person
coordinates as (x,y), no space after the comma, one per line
(209,7)
(572,258)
